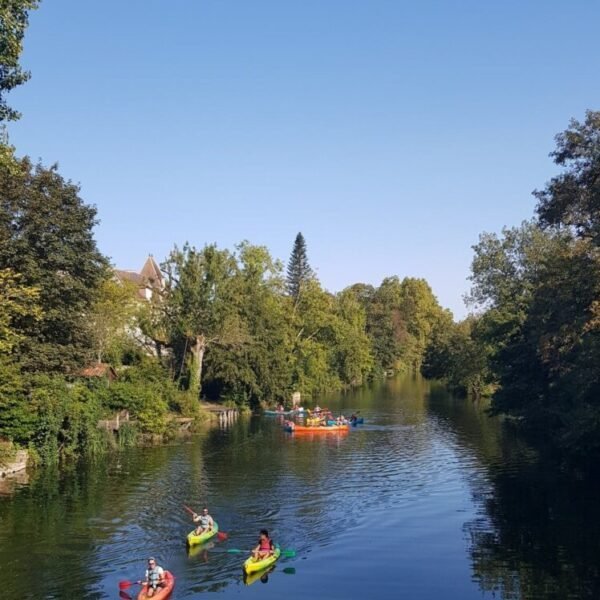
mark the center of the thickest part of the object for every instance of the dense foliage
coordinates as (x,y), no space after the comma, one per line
(14,18)
(538,290)
(237,333)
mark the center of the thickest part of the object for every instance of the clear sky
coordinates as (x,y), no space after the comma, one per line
(391,133)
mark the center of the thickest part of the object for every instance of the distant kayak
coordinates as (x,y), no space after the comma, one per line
(193,539)
(315,428)
(161,593)
(252,566)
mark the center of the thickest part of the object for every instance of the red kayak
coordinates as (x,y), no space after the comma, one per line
(161,593)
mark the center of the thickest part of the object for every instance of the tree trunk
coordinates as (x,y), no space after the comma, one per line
(197,348)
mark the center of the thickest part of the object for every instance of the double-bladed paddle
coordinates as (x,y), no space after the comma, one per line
(285,553)
(123,585)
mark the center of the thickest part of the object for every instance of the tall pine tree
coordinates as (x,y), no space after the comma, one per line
(298,270)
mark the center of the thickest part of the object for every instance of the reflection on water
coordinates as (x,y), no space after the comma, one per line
(428,499)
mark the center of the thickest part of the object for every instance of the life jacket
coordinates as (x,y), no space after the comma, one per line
(266,545)
(153,576)
(204,521)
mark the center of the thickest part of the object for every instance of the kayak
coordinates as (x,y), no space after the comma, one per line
(160,592)
(193,539)
(356,422)
(252,566)
(316,428)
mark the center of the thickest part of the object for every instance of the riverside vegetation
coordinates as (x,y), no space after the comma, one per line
(231,325)
(534,342)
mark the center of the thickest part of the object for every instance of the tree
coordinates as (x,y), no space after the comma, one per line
(298,270)
(14,18)
(421,313)
(401,316)
(199,305)
(572,198)
(17,303)
(458,355)
(352,347)
(46,237)
(260,369)
(112,316)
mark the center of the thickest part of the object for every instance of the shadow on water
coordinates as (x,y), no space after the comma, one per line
(537,534)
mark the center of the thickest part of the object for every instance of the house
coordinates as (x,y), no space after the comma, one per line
(148,281)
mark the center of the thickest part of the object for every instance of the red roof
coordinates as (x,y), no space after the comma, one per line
(99,370)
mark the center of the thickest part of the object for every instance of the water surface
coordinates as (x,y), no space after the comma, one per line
(430,499)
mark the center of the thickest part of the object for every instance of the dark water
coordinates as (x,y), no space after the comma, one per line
(430,499)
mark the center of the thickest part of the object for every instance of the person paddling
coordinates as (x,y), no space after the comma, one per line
(154,578)
(205,522)
(265,546)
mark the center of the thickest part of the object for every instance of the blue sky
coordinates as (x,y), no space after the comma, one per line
(390,133)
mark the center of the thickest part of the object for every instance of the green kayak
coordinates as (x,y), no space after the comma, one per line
(194,540)
(251,565)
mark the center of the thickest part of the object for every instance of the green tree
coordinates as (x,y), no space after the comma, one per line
(458,354)
(199,305)
(298,270)
(14,18)
(385,326)
(18,303)
(46,236)
(112,317)
(572,198)
(258,370)
(401,316)
(352,347)
(420,313)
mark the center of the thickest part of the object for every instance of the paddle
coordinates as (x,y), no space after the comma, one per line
(123,585)
(221,535)
(284,553)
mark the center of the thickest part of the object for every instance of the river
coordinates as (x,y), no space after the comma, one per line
(429,499)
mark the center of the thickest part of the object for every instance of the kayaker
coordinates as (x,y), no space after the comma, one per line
(265,546)
(154,578)
(205,522)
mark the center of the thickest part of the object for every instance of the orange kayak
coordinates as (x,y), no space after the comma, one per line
(161,593)
(317,428)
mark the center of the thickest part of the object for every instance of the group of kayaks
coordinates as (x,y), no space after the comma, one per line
(321,422)
(251,565)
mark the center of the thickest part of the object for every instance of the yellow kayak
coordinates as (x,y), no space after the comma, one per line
(193,539)
(251,565)
(250,578)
